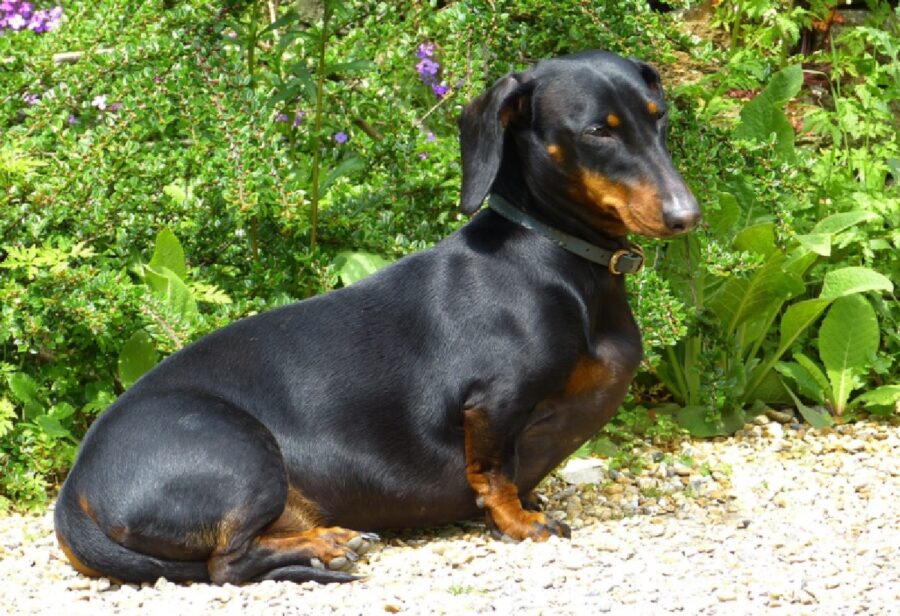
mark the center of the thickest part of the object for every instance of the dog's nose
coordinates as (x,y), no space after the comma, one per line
(681,212)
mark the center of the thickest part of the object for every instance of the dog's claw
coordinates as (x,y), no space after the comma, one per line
(559,529)
(315,562)
(340,563)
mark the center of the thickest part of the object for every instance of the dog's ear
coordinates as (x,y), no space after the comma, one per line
(482,126)
(649,75)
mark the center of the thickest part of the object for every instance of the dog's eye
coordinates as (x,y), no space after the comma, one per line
(599,130)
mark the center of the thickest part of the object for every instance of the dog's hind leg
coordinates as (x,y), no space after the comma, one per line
(292,556)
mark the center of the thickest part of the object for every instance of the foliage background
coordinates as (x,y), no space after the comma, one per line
(162,185)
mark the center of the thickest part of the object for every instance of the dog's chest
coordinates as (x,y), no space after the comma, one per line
(589,397)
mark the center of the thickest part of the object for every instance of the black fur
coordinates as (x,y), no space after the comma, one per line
(356,398)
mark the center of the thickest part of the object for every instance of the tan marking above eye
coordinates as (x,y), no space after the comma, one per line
(613,120)
(652,108)
(555,152)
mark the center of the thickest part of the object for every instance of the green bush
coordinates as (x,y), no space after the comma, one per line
(163,181)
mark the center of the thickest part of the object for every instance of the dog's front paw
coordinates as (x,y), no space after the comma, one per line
(532,525)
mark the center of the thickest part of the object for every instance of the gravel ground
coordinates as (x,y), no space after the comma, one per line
(779,519)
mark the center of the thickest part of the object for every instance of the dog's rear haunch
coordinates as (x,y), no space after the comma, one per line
(450,382)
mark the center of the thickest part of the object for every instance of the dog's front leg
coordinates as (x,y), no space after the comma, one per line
(494,490)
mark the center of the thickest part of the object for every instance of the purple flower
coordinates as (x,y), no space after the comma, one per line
(17,16)
(426,50)
(427,68)
(341,138)
(281,117)
(16,22)
(423,155)
(72,119)
(31,99)
(298,118)
(115,106)
(439,89)
(430,137)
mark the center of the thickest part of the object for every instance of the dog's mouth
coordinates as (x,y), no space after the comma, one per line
(622,208)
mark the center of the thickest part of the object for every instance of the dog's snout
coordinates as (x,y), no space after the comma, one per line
(681,212)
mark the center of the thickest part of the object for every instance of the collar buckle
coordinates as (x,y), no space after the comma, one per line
(633,260)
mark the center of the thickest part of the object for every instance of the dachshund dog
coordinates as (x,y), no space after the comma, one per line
(445,385)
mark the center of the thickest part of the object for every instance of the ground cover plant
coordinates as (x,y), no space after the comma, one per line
(166,168)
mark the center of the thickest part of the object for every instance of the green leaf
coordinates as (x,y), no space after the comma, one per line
(819,243)
(170,288)
(843,220)
(51,427)
(137,356)
(784,85)
(354,266)
(886,397)
(813,370)
(849,280)
(289,17)
(603,446)
(694,419)
(797,318)
(24,388)
(61,410)
(346,167)
(848,339)
(763,115)
(346,67)
(757,238)
(723,220)
(807,386)
(175,192)
(168,253)
(816,417)
(770,390)
(740,299)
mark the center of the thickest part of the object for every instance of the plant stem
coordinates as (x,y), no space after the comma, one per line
(317,137)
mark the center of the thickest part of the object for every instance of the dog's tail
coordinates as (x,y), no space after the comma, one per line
(93,553)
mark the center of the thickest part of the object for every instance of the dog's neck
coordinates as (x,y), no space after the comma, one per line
(619,261)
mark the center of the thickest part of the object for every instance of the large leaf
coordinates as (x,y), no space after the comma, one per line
(816,417)
(807,386)
(722,220)
(740,299)
(27,391)
(51,426)
(168,253)
(797,318)
(345,167)
(170,288)
(819,243)
(848,340)
(886,397)
(354,266)
(849,280)
(812,368)
(784,85)
(137,356)
(695,420)
(763,115)
(757,238)
(843,220)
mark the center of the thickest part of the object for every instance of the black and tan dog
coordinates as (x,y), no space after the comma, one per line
(451,382)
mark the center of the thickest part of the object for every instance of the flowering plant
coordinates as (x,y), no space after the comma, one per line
(428,69)
(18,15)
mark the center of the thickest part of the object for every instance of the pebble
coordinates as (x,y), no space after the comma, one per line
(780,518)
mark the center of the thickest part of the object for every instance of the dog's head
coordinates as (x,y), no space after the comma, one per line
(588,135)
